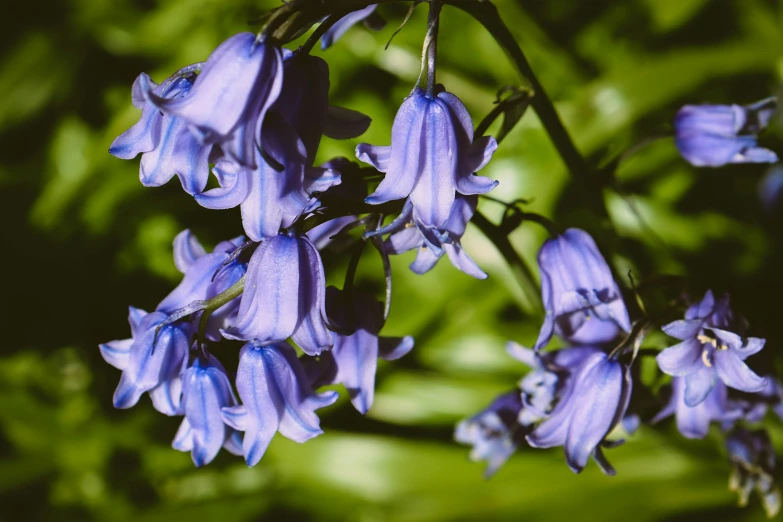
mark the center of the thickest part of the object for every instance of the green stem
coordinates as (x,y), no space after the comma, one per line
(210,305)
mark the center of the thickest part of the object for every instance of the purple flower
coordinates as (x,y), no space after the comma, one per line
(365,15)
(433,243)
(709,350)
(321,235)
(276,395)
(163,140)
(694,422)
(230,97)
(582,301)
(753,467)
(758,404)
(432,155)
(493,432)
(588,410)
(270,200)
(353,360)
(284,296)
(714,135)
(206,389)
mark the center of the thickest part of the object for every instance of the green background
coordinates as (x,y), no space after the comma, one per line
(82,239)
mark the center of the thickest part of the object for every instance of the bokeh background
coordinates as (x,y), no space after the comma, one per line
(82,239)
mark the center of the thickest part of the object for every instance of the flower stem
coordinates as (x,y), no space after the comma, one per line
(210,305)
(433,23)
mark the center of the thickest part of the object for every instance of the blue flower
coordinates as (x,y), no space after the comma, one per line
(230,97)
(206,389)
(759,403)
(164,141)
(433,243)
(346,22)
(753,467)
(714,135)
(276,395)
(284,295)
(582,301)
(433,154)
(709,350)
(589,409)
(353,360)
(493,432)
(693,422)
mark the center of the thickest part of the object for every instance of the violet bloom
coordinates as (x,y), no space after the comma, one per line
(753,467)
(164,141)
(759,403)
(715,135)
(366,15)
(709,350)
(284,296)
(694,422)
(270,200)
(493,432)
(353,360)
(433,154)
(276,395)
(323,234)
(433,243)
(582,301)
(206,389)
(588,410)
(230,97)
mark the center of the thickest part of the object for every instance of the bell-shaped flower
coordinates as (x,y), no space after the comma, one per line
(431,244)
(432,156)
(759,403)
(493,432)
(582,301)
(270,199)
(285,293)
(353,360)
(276,396)
(753,467)
(366,15)
(588,410)
(709,351)
(150,361)
(164,141)
(323,234)
(230,97)
(693,422)
(205,391)
(715,135)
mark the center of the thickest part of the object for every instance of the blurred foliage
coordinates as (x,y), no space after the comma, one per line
(87,240)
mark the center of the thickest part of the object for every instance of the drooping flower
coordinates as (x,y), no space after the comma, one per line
(276,396)
(753,467)
(353,360)
(284,295)
(433,243)
(582,301)
(366,15)
(715,135)
(588,410)
(759,403)
(322,235)
(230,97)
(164,141)
(205,390)
(709,350)
(432,156)
(694,422)
(493,432)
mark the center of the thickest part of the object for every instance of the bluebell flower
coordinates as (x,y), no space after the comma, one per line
(276,396)
(715,135)
(230,97)
(321,235)
(270,200)
(432,156)
(205,390)
(693,422)
(759,403)
(582,301)
(353,360)
(346,22)
(164,141)
(771,189)
(431,244)
(285,292)
(493,432)
(753,467)
(709,351)
(588,410)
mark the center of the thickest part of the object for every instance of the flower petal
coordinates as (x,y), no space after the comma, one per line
(681,359)
(736,374)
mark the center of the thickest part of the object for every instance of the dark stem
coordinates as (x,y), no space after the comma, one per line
(320,31)
(433,22)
